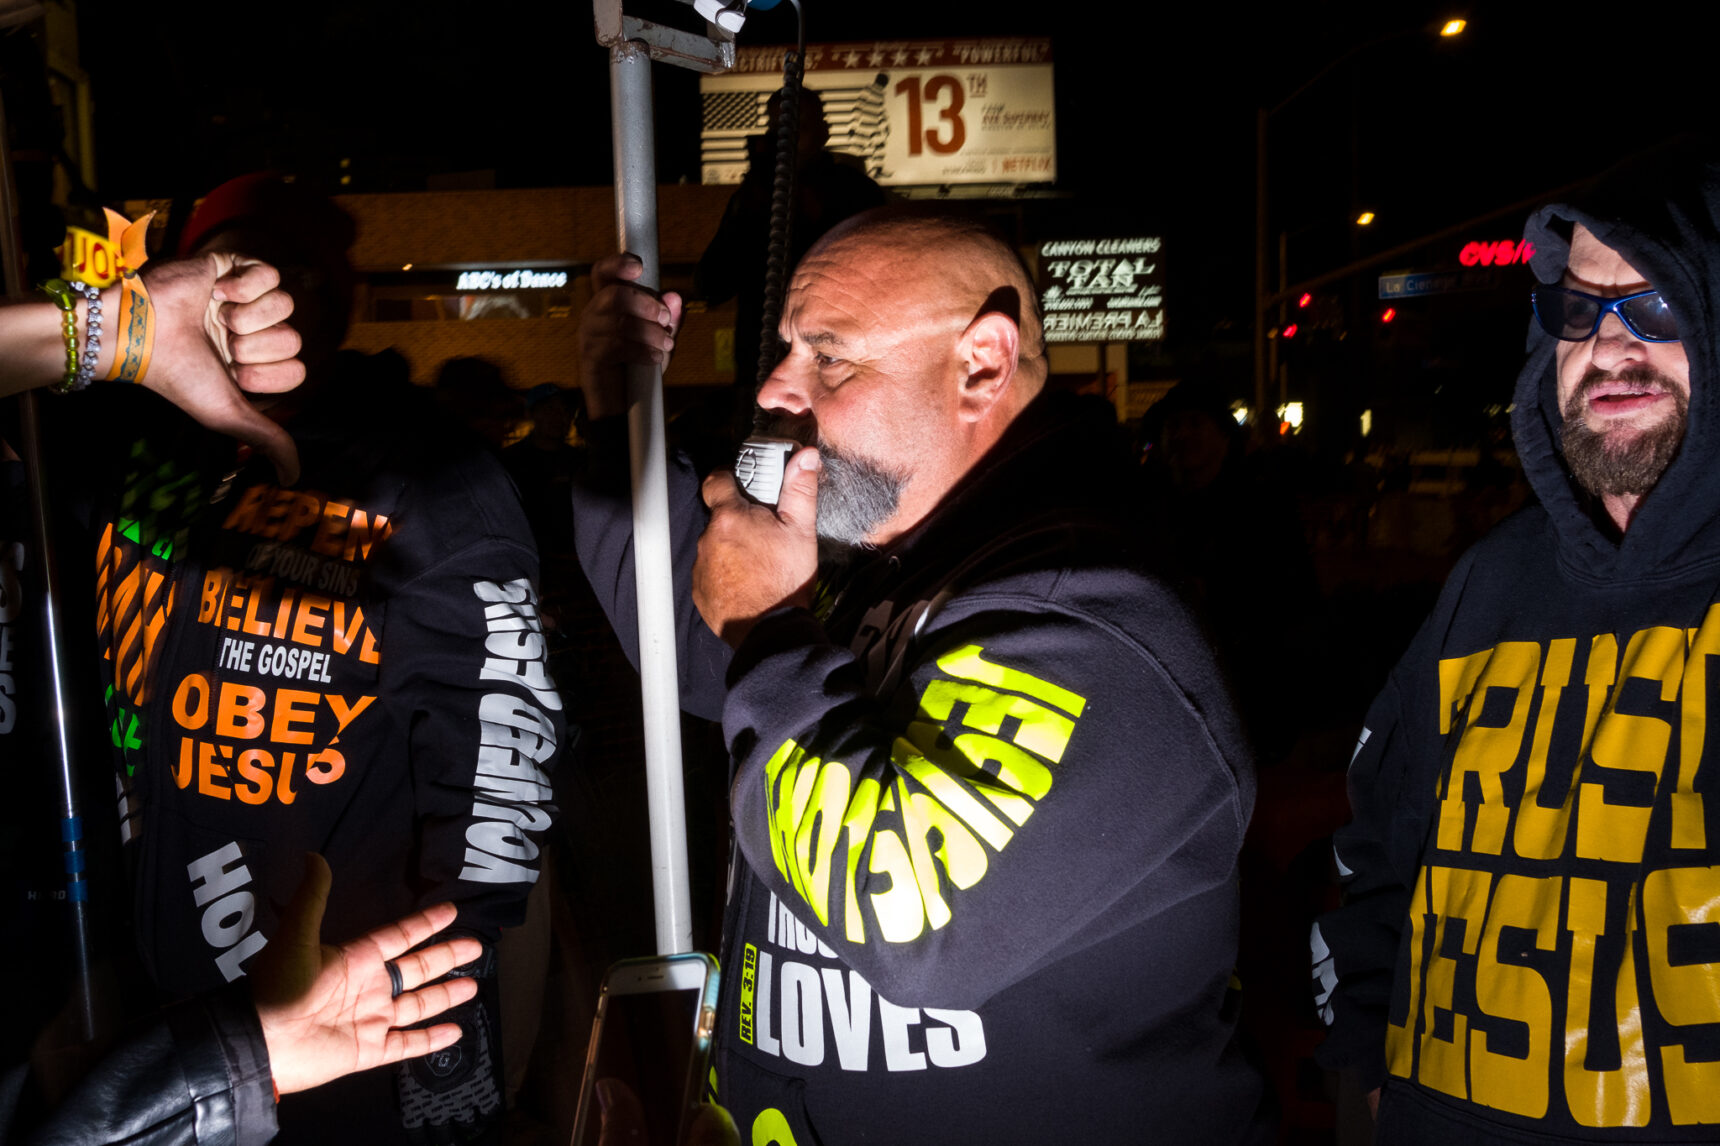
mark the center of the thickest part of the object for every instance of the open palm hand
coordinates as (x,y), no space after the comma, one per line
(328,1011)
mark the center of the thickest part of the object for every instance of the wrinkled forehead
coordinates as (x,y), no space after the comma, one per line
(1596,267)
(882,258)
(938,265)
(863,284)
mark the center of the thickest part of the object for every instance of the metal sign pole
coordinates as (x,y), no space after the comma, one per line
(636,228)
(632,45)
(71,816)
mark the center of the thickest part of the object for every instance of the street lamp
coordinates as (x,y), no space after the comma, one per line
(1263,117)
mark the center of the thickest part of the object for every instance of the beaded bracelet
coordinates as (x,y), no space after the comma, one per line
(61,292)
(92,334)
(80,368)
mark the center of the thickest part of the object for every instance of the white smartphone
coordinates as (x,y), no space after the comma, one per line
(652,1036)
(760,465)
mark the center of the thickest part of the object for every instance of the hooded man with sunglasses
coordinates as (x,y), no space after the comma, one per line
(1529,948)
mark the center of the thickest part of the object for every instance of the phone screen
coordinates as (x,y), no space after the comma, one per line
(646,1044)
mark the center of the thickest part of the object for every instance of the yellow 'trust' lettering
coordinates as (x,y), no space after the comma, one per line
(1599,677)
(1457,677)
(1563,963)
(1688,829)
(1540,832)
(1673,660)
(1617,832)
(1487,753)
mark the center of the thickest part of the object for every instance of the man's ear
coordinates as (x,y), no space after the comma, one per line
(990,349)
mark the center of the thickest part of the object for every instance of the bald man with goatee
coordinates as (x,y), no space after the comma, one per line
(988,789)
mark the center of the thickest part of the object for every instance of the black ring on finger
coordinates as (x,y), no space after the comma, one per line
(395,984)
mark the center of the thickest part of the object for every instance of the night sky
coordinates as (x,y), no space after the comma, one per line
(1156,106)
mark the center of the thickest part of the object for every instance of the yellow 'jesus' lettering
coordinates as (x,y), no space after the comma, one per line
(1508,990)
(1686,900)
(1460,897)
(1602,1097)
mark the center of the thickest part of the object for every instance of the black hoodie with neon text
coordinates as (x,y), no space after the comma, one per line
(1530,944)
(988,799)
(352,665)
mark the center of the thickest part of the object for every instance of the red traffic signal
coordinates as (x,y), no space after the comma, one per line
(1388,314)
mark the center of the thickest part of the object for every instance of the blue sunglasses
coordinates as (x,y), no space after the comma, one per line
(1572,316)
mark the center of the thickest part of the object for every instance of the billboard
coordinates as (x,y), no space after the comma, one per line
(1102,290)
(913,112)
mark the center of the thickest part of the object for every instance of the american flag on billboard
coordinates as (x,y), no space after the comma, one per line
(858,123)
(729,118)
(914,112)
(854,114)
(735,111)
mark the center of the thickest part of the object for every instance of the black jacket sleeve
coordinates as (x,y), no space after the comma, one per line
(464,677)
(1358,951)
(198,1074)
(1355,948)
(603,535)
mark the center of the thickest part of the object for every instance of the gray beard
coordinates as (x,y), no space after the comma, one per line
(855,494)
(1633,465)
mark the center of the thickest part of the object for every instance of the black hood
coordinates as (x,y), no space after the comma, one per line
(1662,214)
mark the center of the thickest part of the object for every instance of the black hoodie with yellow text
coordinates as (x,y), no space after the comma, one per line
(1530,944)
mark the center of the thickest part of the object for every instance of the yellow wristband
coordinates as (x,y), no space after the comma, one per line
(101,262)
(89,258)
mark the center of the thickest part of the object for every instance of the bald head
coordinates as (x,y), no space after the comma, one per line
(957,265)
(912,343)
